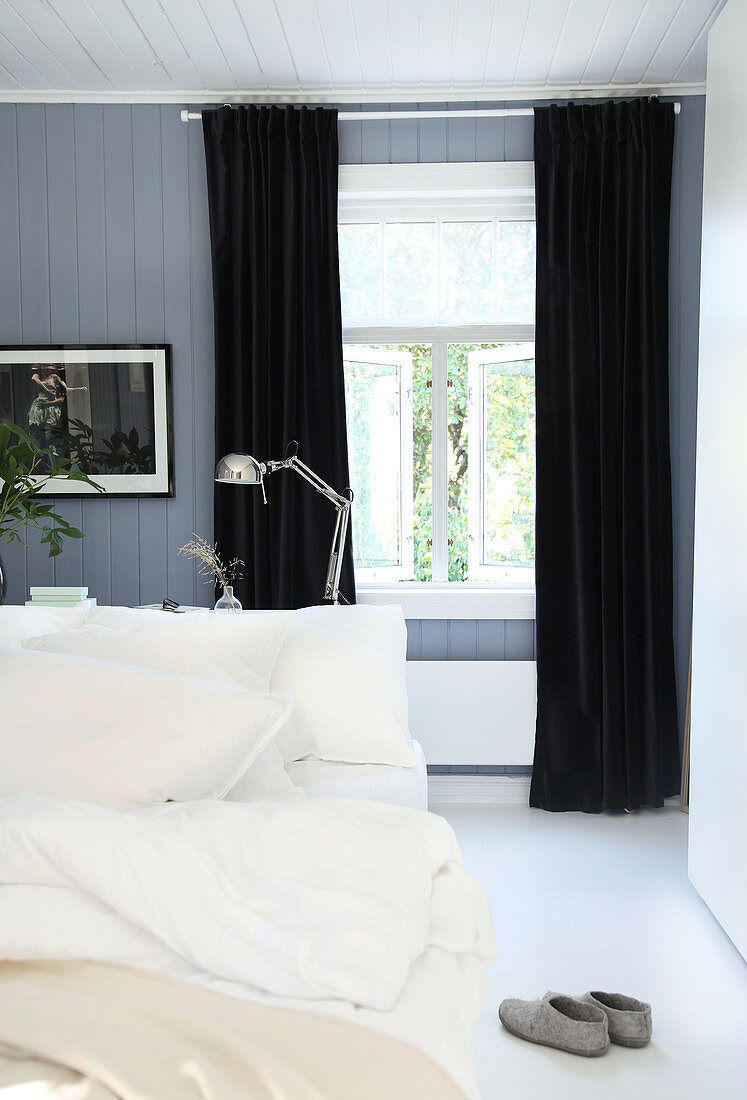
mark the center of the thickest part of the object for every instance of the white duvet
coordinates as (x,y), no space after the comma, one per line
(354,908)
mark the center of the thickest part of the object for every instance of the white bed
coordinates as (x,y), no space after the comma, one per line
(377,782)
(350,903)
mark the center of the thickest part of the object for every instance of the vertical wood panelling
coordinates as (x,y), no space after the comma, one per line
(519,640)
(35,310)
(201,316)
(119,221)
(491,640)
(432,144)
(375,139)
(414,640)
(687,201)
(101,244)
(471,640)
(350,140)
(462,640)
(519,140)
(403,141)
(63,267)
(148,199)
(92,306)
(490,136)
(176,240)
(63,288)
(433,639)
(461,135)
(14,557)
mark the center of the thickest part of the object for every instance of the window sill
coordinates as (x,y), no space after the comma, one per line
(452,601)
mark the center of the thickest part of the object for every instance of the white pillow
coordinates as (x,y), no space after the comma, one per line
(227,649)
(17,622)
(266,780)
(124,736)
(345,667)
(235,648)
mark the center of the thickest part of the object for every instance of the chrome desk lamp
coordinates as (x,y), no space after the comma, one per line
(242,469)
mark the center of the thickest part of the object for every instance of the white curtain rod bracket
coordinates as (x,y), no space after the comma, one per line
(401,116)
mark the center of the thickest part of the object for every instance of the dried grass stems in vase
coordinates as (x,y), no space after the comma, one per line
(210,565)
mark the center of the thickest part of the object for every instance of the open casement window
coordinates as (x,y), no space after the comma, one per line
(501,491)
(378,397)
(437,279)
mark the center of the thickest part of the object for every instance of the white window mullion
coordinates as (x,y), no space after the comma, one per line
(475,426)
(440,455)
(406,461)
(389,419)
(496,272)
(478,363)
(382,269)
(439,284)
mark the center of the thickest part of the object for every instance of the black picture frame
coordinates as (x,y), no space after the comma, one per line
(92,416)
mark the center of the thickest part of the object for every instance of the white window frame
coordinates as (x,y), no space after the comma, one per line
(449,192)
(402,361)
(476,364)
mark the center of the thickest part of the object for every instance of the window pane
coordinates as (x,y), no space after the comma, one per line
(467,271)
(372,399)
(360,263)
(459,457)
(422,461)
(410,258)
(392,518)
(508,480)
(516,264)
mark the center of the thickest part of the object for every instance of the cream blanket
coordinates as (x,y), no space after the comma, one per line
(95,1031)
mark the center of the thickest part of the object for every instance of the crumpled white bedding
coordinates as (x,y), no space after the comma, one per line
(354,908)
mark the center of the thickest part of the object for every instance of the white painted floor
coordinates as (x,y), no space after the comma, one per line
(603,902)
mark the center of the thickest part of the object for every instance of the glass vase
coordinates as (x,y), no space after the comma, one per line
(228,601)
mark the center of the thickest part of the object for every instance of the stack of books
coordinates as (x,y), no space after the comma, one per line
(60,597)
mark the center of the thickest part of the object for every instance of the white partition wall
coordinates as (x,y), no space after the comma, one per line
(718,799)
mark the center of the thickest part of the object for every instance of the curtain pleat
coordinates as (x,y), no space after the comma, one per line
(272,193)
(606,718)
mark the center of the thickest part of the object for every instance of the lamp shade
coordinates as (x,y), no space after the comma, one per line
(239,469)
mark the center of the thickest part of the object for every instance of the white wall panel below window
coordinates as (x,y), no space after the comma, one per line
(473,712)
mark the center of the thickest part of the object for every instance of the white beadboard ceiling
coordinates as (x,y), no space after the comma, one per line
(348,50)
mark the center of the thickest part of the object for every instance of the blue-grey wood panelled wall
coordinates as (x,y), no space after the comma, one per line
(104,238)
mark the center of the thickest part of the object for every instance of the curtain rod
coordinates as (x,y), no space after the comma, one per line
(391,116)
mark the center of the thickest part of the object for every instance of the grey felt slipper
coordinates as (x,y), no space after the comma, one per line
(628,1020)
(557,1021)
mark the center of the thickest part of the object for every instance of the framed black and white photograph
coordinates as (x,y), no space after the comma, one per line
(107,408)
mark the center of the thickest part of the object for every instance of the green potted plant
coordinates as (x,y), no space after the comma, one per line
(25,468)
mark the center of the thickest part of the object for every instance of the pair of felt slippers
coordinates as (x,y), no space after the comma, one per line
(582,1025)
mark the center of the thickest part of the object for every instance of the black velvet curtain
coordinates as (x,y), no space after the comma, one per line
(272,193)
(606,718)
